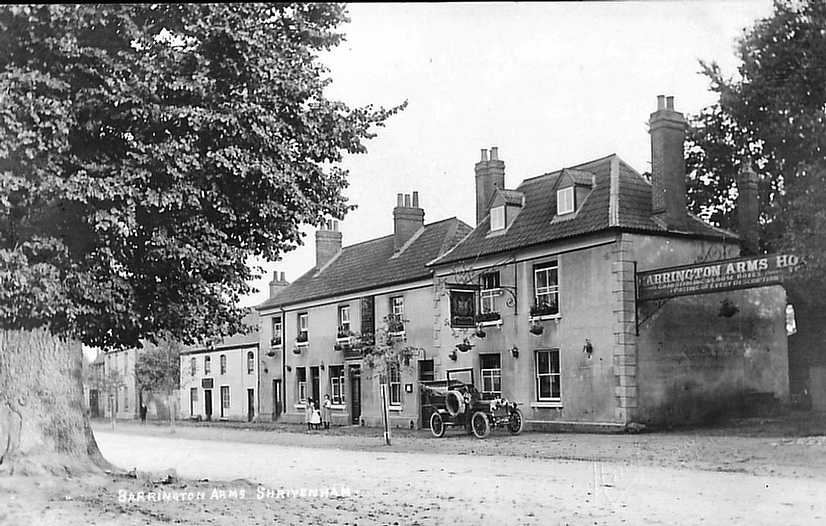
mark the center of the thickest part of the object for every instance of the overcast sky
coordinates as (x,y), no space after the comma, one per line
(551,84)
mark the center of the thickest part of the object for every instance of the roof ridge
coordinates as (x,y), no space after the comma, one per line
(572,167)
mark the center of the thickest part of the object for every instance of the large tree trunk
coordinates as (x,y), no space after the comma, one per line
(43,422)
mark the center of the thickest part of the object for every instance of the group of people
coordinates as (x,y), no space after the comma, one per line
(318,417)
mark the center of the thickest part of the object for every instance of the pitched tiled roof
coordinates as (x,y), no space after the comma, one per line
(536,224)
(251,338)
(511,197)
(372,264)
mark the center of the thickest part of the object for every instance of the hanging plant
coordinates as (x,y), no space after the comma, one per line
(537,329)
(465,346)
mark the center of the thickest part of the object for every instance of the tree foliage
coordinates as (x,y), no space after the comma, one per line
(158,368)
(773,112)
(147,152)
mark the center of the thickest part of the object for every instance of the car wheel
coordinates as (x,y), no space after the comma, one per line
(437,425)
(480,424)
(515,422)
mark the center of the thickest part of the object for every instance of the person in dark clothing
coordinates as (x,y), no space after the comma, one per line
(143,412)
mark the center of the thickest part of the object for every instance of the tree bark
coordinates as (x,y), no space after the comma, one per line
(44,426)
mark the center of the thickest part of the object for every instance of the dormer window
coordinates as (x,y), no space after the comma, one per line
(565,201)
(497,218)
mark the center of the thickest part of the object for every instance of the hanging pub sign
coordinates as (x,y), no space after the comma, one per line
(715,276)
(462,308)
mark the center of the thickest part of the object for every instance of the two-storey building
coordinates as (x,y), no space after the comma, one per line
(220,381)
(541,298)
(311,329)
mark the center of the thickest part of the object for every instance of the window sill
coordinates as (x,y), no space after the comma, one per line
(300,406)
(547,404)
(555,317)
(396,409)
(493,323)
(301,345)
(338,407)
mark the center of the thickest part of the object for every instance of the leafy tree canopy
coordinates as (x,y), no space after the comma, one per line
(148,151)
(773,112)
(158,368)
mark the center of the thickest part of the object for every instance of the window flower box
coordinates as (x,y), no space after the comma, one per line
(485,317)
(303,339)
(275,342)
(544,310)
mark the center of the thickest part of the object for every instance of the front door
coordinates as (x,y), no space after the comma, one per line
(250,404)
(315,393)
(425,375)
(208,404)
(355,395)
(276,399)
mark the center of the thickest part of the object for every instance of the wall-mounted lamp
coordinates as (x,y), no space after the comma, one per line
(452,355)
(588,348)
(515,351)
(322,366)
(289,368)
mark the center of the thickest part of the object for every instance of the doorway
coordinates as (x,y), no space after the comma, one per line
(276,399)
(208,404)
(355,395)
(315,393)
(425,375)
(250,404)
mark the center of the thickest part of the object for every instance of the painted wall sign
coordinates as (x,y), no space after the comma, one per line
(715,276)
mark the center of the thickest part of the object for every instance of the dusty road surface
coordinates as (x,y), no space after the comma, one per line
(371,485)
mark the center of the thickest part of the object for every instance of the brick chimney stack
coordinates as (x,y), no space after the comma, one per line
(327,242)
(748,214)
(277,284)
(490,174)
(668,192)
(408,218)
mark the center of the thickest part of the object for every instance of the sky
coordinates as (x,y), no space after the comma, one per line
(550,84)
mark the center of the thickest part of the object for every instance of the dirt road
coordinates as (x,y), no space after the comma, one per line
(400,485)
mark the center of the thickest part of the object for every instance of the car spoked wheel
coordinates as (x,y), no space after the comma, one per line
(437,425)
(480,424)
(515,422)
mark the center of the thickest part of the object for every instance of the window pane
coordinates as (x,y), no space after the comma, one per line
(544,387)
(554,361)
(543,363)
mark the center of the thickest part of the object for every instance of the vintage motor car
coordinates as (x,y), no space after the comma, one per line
(455,402)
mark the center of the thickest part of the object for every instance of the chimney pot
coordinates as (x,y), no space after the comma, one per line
(668,185)
(276,285)
(407,219)
(748,213)
(399,199)
(490,174)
